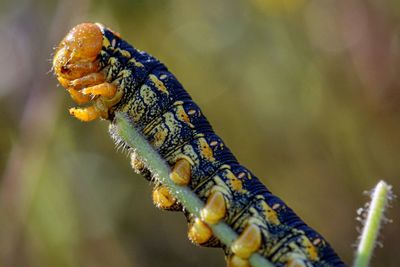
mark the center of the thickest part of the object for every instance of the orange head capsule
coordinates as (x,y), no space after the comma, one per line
(77,52)
(76,65)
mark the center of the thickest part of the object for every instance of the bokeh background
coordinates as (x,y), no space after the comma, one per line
(305,92)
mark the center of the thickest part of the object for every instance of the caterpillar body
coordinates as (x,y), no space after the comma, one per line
(98,68)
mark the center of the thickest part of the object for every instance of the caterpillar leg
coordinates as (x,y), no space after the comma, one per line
(137,165)
(215,208)
(78,97)
(235,261)
(85,114)
(248,242)
(163,199)
(199,233)
(93,112)
(88,80)
(181,172)
(104,89)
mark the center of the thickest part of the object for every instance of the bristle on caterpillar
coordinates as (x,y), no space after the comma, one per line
(106,74)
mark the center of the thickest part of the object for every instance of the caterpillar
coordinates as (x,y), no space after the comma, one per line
(107,75)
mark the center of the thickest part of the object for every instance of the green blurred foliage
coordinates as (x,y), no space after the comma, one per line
(304,92)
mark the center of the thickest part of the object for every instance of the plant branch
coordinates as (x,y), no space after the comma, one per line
(381,194)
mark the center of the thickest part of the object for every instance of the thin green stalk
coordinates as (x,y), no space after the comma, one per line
(380,196)
(182,193)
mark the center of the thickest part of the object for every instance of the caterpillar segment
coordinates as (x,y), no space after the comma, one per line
(105,74)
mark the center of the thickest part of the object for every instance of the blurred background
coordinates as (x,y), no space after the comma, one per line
(306,93)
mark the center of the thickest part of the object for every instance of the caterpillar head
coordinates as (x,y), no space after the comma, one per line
(76,65)
(80,47)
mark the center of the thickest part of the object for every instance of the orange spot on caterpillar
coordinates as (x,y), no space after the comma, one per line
(206,150)
(159,84)
(182,114)
(236,184)
(159,138)
(270,214)
(310,249)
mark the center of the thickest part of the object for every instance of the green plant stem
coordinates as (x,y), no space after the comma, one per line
(380,197)
(183,194)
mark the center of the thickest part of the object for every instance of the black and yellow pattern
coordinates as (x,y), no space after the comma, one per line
(98,67)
